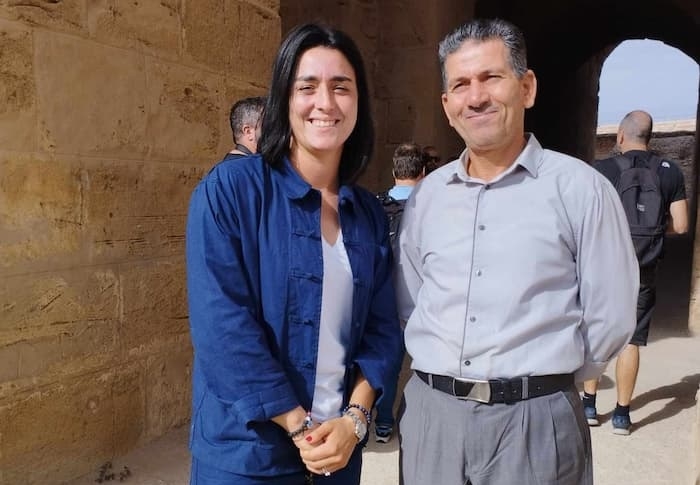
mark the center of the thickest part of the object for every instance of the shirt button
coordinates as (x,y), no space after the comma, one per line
(472,319)
(487,186)
(482,227)
(478,272)
(467,362)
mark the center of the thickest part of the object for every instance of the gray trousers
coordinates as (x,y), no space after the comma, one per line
(448,441)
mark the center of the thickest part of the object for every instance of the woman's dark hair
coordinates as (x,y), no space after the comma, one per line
(276,131)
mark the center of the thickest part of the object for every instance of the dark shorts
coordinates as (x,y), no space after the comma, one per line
(646,301)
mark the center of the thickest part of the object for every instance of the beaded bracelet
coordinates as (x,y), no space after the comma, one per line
(363,410)
(306,425)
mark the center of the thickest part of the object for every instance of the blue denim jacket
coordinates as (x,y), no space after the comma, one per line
(254,277)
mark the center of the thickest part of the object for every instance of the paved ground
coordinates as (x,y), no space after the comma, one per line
(658,452)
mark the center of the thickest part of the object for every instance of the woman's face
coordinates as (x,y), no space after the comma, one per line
(322,103)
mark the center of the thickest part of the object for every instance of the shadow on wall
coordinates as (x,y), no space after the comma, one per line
(673,288)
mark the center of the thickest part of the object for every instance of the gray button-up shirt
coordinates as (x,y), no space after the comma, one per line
(531,273)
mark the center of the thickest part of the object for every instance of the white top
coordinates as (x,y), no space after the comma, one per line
(334,334)
(531,273)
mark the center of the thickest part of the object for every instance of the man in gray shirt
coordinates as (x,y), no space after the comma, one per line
(528,286)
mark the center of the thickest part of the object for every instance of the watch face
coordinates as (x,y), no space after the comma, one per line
(360,430)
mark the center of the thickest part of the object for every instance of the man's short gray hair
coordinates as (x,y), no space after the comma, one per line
(482,30)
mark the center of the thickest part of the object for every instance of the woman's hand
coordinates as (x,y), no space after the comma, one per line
(328,447)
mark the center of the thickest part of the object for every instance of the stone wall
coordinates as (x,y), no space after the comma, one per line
(110,112)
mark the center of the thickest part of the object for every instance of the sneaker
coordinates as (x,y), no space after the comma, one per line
(621,424)
(382,433)
(591,415)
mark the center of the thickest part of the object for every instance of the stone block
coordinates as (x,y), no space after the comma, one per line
(99,89)
(44,301)
(208,36)
(61,15)
(17,88)
(400,64)
(41,216)
(401,131)
(272,5)
(137,210)
(168,387)
(257,38)
(154,306)
(55,433)
(185,109)
(413,26)
(152,26)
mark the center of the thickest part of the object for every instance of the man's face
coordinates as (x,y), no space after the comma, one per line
(484,100)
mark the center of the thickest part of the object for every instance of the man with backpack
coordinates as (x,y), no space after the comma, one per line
(652,191)
(408,169)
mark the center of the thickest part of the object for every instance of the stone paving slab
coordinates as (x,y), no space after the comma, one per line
(658,452)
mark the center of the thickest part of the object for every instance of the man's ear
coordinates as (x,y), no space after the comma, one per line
(444,107)
(248,132)
(529,85)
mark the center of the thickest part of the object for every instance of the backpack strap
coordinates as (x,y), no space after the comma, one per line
(385,198)
(623,162)
(653,163)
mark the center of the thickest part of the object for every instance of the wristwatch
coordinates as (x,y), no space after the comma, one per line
(360,426)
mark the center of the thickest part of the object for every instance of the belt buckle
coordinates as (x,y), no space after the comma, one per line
(480,391)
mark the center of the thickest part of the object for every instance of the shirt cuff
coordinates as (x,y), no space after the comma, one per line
(590,370)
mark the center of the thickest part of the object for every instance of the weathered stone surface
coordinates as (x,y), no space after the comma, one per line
(17,88)
(257,37)
(103,90)
(154,306)
(185,109)
(77,423)
(55,325)
(273,5)
(41,215)
(62,15)
(137,210)
(152,26)
(208,36)
(38,303)
(168,387)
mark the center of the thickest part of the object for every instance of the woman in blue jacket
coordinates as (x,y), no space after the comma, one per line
(292,308)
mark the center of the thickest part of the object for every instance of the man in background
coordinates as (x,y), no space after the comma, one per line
(245,118)
(433,160)
(664,210)
(408,165)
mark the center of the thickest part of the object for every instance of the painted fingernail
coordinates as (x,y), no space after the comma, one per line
(309,438)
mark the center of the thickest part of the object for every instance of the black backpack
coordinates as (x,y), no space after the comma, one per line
(640,190)
(394,210)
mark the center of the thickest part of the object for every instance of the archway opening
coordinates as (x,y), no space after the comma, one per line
(649,75)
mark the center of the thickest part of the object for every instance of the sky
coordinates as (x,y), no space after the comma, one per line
(648,75)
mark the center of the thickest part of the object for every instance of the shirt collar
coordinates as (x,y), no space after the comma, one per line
(298,188)
(530,159)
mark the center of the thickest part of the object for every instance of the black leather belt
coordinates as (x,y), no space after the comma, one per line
(499,390)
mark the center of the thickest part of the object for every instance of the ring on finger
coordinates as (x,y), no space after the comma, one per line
(326,473)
